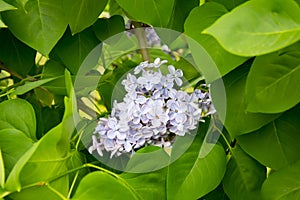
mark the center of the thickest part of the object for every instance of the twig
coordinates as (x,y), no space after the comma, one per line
(13,73)
(141,36)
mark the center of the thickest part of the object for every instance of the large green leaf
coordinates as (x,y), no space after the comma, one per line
(258,27)
(14,144)
(154,12)
(46,159)
(150,184)
(237,120)
(82,14)
(244,176)
(105,28)
(40,25)
(14,54)
(72,50)
(275,76)
(283,184)
(18,114)
(277,144)
(199,19)
(181,10)
(100,185)
(192,175)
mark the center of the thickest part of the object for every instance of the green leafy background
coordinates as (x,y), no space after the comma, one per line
(252,46)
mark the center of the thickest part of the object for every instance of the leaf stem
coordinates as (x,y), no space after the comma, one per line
(56,192)
(13,73)
(73,184)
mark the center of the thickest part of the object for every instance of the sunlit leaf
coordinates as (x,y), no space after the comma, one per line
(18,114)
(40,25)
(92,187)
(199,19)
(258,27)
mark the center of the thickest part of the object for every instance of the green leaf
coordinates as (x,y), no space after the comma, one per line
(181,10)
(275,76)
(237,120)
(47,158)
(40,26)
(276,144)
(72,50)
(150,184)
(14,54)
(18,114)
(105,28)
(14,145)
(223,61)
(244,176)
(148,159)
(258,27)
(229,4)
(2,170)
(283,184)
(5,6)
(92,187)
(192,176)
(81,14)
(154,12)
(31,85)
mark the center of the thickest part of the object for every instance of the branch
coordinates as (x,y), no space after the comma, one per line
(141,36)
(13,73)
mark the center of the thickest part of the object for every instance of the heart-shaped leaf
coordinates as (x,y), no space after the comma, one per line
(199,19)
(18,114)
(258,27)
(40,25)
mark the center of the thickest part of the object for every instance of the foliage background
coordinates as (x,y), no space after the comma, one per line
(255,46)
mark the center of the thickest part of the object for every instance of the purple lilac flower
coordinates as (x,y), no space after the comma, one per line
(151,113)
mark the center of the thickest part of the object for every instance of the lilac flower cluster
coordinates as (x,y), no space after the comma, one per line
(152,112)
